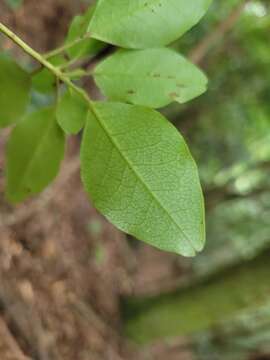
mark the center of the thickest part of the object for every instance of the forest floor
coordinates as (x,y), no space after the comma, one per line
(63,268)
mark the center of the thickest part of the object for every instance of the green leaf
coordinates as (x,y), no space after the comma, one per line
(35,150)
(15,84)
(78,30)
(145,23)
(151,77)
(139,173)
(14,4)
(71,112)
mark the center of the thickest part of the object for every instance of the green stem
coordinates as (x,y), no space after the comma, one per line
(38,57)
(68,64)
(65,47)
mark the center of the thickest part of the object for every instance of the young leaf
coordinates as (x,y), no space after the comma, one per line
(77,31)
(142,24)
(71,112)
(15,86)
(35,150)
(140,174)
(151,77)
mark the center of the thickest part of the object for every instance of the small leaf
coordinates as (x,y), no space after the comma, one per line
(71,112)
(35,150)
(152,77)
(140,174)
(78,30)
(142,24)
(15,84)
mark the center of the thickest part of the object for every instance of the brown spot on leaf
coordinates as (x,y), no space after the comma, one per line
(174,95)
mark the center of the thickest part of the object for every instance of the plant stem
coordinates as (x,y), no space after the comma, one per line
(30,51)
(65,47)
(38,57)
(68,64)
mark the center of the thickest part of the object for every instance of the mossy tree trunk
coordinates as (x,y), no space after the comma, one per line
(200,306)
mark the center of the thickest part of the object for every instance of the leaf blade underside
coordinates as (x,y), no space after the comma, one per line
(139,173)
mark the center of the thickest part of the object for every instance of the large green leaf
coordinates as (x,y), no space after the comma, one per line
(151,77)
(71,112)
(139,173)
(78,31)
(15,86)
(35,150)
(145,23)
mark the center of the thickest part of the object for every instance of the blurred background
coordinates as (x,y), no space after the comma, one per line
(74,287)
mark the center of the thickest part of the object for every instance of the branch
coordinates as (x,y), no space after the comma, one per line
(200,51)
(200,306)
(41,59)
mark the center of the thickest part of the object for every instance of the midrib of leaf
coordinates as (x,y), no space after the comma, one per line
(115,144)
(153,77)
(32,159)
(162,77)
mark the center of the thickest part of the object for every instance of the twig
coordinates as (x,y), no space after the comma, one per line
(200,51)
(65,47)
(42,60)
